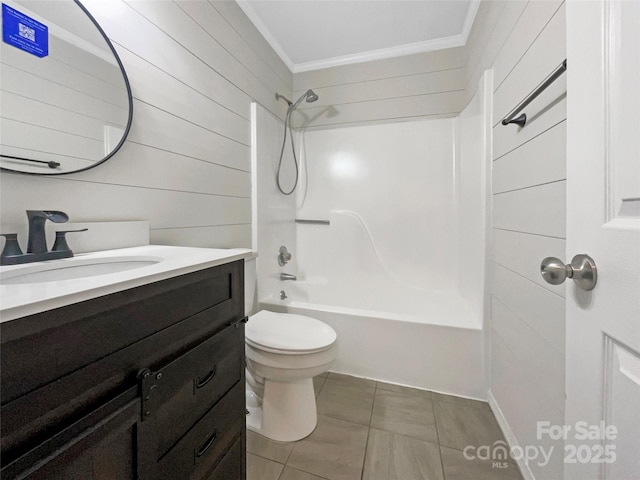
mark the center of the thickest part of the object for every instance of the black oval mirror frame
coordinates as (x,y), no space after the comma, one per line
(130,100)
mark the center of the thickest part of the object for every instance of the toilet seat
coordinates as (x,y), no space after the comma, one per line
(288,333)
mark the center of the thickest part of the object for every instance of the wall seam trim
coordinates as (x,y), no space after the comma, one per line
(531,186)
(528,140)
(178,80)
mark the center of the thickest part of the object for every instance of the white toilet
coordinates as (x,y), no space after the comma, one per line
(284,352)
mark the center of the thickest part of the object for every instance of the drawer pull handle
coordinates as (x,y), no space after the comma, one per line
(205,446)
(199,383)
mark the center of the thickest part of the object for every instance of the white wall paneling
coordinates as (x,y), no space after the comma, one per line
(524,42)
(206,15)
(180,136)
(532,163)
(185,31)
(532,22)
(539,210)
(412,86)
(163,208)
(127,28)
(544,363)
(489,13)
(515,251)
(241,24)
(447,104)
(188,174)
(452,58)
(511,383)
(155,87)
(405,86)
(542,57)
(186,164)
(542,310)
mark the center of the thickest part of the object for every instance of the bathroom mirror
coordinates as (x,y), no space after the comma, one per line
(66,100)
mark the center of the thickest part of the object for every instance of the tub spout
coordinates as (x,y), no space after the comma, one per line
(287,276)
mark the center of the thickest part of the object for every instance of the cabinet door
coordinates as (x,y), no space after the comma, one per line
(104,450)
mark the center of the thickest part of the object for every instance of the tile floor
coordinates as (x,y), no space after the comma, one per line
(369,430)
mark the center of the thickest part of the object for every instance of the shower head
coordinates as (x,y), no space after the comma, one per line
(309,96)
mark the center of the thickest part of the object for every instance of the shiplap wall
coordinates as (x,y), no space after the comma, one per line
(194,69)
(524,42)
(422,85)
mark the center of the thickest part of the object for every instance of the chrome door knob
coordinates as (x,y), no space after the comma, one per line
(582,270)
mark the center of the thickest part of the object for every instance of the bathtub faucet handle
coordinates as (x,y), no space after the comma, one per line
(283,256)
(287,276)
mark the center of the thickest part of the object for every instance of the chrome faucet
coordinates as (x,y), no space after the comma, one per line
(37,218)
(287,276)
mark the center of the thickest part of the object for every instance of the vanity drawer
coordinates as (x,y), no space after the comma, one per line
(202,447)
(231,467)
(183,391)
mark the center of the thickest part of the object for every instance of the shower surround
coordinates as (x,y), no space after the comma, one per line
(390,243)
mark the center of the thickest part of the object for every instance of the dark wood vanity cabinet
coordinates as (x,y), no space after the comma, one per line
(146,383)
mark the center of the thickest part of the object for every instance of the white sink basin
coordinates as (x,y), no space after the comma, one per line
(75,268)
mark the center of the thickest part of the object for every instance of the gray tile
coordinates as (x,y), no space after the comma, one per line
(293,474)
(460,426)
(395,457)
(347,401)
(465,402)
(457,467)
(318,382)
(405,415)
(350,379)
(267,448)
(259,468)
(335,450)
(402,389)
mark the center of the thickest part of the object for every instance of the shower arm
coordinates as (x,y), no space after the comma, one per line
(278,97)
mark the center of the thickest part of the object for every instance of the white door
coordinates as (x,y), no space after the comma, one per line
(603,221)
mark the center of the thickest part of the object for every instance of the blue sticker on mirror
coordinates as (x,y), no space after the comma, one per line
(24,32)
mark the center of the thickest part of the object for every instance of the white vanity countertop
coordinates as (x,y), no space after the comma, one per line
(24,299)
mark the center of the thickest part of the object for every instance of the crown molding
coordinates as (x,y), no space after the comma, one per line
(452,41)
(399,51)
(266,33)
(469,19)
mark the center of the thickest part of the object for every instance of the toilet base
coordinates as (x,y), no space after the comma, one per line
(288,412)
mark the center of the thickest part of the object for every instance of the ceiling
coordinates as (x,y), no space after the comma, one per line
(313,34)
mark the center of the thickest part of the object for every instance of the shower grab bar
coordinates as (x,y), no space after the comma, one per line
(522,119)
(312,222)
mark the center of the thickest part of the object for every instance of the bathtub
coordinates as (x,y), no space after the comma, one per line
(424,339)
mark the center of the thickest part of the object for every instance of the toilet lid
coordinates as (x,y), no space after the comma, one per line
(288,332)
